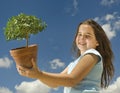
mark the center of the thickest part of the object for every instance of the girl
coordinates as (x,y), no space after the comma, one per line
(92,69)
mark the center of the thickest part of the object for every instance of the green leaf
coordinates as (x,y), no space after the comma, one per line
(22,26)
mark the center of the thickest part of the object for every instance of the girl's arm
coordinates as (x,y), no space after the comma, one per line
(62,79)
(54,84)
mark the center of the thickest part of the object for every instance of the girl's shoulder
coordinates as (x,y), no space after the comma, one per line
(92,51)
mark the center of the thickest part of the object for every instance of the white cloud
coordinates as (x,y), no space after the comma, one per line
(56,63)
(32,87)
(73,8)
(110,23)
(5,90)
(108,30)
(108,2)
(5,62)
(113,88)
(117,25)
(109,17)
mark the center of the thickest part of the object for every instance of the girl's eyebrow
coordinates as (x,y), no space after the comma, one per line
(86,33)
(90,34)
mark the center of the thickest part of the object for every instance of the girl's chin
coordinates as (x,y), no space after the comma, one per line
(83,50)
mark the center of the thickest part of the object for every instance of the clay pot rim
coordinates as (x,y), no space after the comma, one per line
(21,51)
(23,47)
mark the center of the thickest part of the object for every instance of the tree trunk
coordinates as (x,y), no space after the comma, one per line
(27,40)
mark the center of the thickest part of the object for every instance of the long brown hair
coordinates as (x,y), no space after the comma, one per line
(104,49)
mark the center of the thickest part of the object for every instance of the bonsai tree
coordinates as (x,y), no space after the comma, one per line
(22,26)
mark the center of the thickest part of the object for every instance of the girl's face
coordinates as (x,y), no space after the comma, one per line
(86,38)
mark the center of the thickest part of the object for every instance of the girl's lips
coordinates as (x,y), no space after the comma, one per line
(82,44)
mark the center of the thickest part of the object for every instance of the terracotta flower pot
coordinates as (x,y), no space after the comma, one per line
(23,55)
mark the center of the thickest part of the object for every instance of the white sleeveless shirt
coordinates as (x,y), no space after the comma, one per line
(91,83)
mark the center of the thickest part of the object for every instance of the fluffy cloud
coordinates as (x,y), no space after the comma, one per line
(5,62)
(108,2)
(110,23)
(56,63)
(113,88)
(73,8)
(108,29)
(5,90)
(32,87)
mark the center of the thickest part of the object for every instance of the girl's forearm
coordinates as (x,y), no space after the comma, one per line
(56,79)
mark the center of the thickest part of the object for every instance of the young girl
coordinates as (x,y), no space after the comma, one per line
(92,69)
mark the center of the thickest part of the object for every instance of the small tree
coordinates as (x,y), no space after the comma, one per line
(22,26)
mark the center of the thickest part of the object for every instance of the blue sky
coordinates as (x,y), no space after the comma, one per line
(54,54)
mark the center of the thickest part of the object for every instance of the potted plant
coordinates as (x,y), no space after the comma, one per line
(21,27)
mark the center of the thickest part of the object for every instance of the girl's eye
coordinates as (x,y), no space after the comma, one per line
(79,35)
(87,36)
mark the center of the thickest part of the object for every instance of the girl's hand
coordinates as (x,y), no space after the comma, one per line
(34,72)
